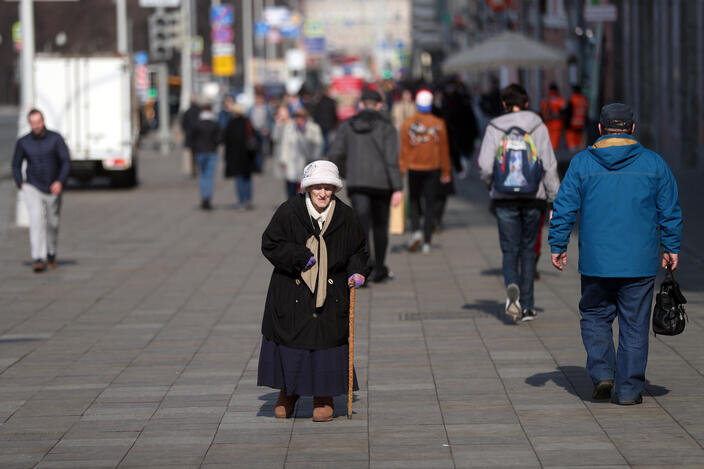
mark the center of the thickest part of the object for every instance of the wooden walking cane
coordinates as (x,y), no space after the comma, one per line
(350,355)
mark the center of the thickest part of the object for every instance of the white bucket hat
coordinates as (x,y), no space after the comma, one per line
(321,172)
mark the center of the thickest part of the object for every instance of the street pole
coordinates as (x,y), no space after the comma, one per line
(27,94)
(163,76)
(121,7)
(27,58)
(247,53)
(186,56)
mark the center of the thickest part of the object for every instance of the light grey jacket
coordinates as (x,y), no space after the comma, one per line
(527,121)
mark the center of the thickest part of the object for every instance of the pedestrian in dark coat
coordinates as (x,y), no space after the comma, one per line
(240,151)
(317,246)
(206,137)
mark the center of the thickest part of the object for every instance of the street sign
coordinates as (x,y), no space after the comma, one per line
(222,35)
(159,3)
(607,13)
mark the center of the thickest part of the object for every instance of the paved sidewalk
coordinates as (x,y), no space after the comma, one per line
(141,351)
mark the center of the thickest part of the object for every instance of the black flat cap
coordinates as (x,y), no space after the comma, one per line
(616,116)
(371,95)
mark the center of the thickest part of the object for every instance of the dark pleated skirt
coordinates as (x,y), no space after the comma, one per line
(304,372)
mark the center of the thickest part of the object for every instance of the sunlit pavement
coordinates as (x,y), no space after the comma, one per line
(141,350)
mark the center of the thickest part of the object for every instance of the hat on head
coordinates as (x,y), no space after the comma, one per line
(616,116)
(371,95)
(321,172)
(424,100)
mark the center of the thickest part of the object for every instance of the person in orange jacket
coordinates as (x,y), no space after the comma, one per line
(425,153)
(552,110)
(577,109)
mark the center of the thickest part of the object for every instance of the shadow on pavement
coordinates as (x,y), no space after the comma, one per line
(490,308)
(267,408)
(576,381)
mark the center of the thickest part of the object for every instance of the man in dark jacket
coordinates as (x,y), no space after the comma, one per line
(188,123)
(366,151)
(627,200)
(325,115)
(48,166)
(206,137)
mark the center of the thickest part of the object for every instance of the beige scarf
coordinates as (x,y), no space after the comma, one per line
(319,271)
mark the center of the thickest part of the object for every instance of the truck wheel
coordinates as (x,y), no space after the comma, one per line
(126,178)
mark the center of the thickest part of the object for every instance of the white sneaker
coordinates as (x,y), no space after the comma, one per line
(416,240)
(425,249)
(513,305)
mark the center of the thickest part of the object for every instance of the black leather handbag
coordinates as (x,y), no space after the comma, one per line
(669,317)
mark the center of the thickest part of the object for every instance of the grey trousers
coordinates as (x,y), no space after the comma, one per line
(43,221)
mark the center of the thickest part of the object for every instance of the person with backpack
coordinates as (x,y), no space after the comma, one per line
(518,164)
(626,198)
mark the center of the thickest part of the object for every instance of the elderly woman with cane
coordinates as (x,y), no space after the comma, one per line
(317,247)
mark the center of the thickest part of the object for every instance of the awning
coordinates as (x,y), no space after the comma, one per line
(507,49)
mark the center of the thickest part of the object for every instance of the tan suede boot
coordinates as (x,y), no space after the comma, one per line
(284,405)
(323,409)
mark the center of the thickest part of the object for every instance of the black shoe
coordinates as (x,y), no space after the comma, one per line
(638,400)
(602,389)
(205,205)
(528,315)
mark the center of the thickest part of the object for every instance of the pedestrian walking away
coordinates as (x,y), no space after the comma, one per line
(325,115)
(425,154)
(552,109)
(188,123)
(241,148)
(317,247)
(624,194)
(518,164)
(48,166)
(299,141)
(366,151)
(206,137)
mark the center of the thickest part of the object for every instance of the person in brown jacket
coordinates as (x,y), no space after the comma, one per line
(425,153)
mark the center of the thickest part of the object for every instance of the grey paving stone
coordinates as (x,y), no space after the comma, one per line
(152,346)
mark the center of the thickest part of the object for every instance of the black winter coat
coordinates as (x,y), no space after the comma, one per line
(290,315)
(239,160)
(205,135)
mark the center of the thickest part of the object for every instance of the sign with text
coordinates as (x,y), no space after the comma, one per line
(222,35)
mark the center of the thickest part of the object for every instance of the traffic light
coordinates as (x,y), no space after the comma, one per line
(164,34)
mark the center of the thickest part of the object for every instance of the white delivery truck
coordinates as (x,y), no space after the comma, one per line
(89,100)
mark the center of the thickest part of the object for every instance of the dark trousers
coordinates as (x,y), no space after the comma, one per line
(291,189)
(603,300)
(518,228)
(422,195)
(373,212)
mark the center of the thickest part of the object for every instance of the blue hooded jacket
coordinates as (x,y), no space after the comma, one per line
(623,193)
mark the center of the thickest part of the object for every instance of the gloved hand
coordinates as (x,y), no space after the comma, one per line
(311,263)
(356,280)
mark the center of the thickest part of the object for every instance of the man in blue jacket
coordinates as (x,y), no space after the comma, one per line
(48,166)
(627,198)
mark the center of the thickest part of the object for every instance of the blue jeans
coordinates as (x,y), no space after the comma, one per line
(518,230)
(603,300)
(244,189)
(206,168)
